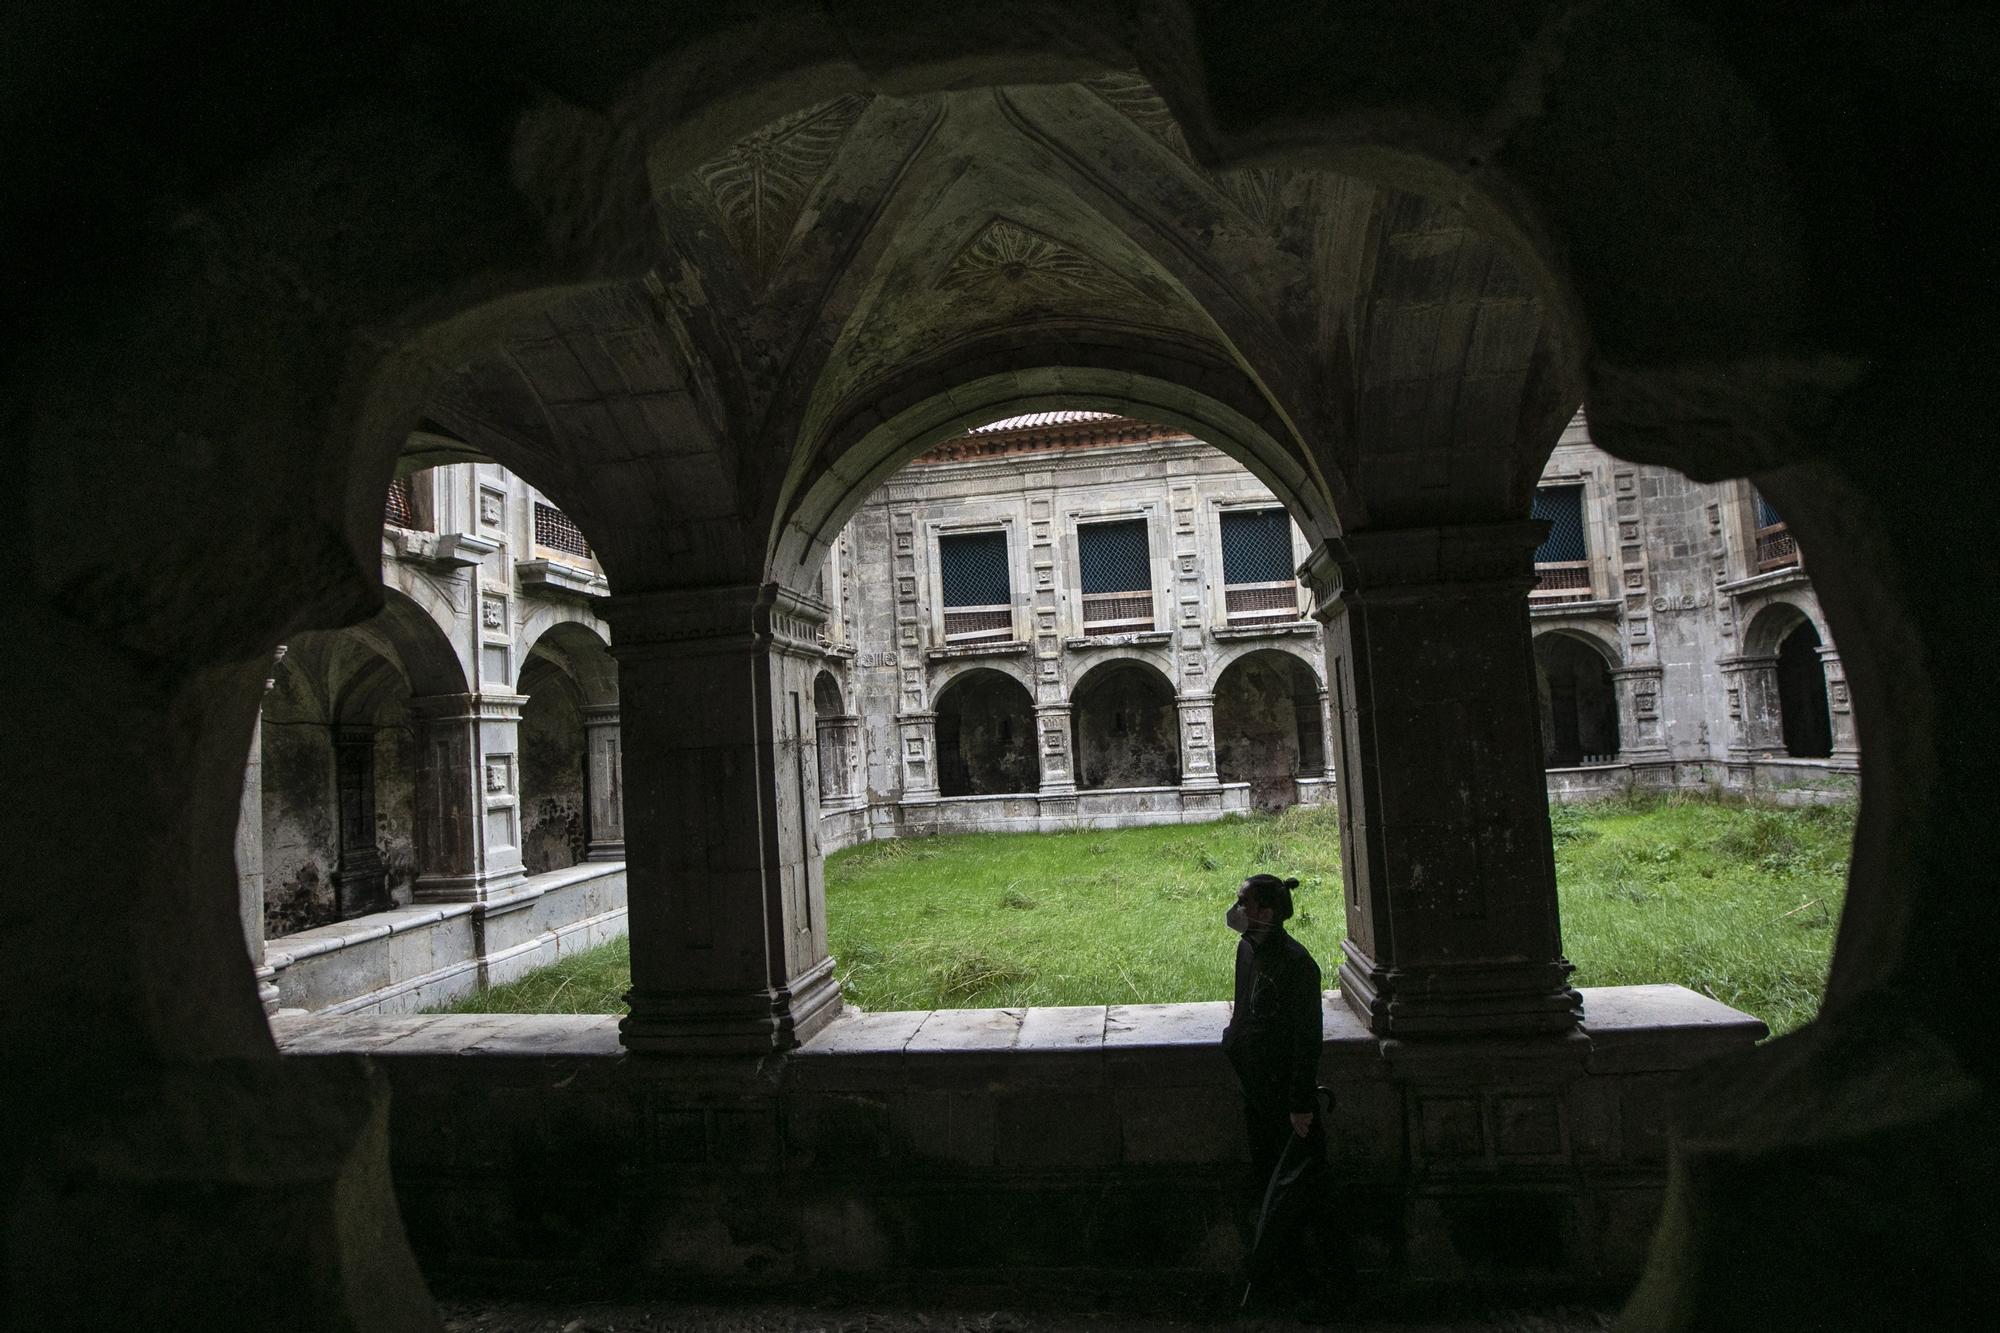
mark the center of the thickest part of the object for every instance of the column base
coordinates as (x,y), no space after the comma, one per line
(732,1022)
(605,851)
(464,888)
(1466,999)
(267,988)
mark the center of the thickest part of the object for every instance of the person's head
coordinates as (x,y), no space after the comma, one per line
(1265,900)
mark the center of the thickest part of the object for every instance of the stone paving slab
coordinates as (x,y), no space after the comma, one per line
(966,1032)
(1151,1025)
(1063,1028)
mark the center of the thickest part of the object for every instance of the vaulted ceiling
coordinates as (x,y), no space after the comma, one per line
(856,257)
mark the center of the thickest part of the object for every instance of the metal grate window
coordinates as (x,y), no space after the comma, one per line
(972,567)
(1767,517)
(1114,557)
(1256,547)
(1562,506)
(554,530)
(397,510)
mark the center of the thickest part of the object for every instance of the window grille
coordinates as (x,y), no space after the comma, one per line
(554,530)
(1562,561)
(398,510)
(1258,584)
(1115,570)
(972,572)
(1776,547)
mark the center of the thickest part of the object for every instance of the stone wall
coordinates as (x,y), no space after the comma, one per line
(553,833)
(1014,1145)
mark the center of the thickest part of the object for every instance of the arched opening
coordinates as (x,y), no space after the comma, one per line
(1270,726)
(1579,703)
(1125,731)
(1803,715)
(985,736)
(340,770)
(569,788)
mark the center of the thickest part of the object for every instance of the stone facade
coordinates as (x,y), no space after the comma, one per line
(1657,652)
(429,782)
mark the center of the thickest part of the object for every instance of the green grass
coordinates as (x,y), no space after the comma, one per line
(1735,901)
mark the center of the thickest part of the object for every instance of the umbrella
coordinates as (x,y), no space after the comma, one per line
(1289,1196)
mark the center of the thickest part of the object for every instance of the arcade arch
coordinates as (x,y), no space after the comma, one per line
(1125,727)
(1269,727)
(985,735)
(1578,700)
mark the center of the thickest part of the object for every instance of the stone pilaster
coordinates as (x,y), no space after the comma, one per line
(250,861)
(1840,708)
(359,882)
(725,879)
(605,781)
(916,733)
(839,759)
(1756,723)
(1642,737)
(1058,766)
(1450,877)
(1198,742)
(467,806)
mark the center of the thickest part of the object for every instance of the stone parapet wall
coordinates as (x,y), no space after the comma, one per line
(1000,1144)
(412,958)
(1776,781)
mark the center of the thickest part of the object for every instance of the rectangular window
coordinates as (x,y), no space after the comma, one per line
(1257,577)
(972,571)
(1562,561)
(1115,570)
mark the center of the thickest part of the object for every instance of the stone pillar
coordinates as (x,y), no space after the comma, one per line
(605,782)
(451,800)
(1451,896)
(918,734)
(250,861)
(1642,737)
(1840,708)
(1197,742)
(839,739)
(726,888)
(1058,765)
(1756,724)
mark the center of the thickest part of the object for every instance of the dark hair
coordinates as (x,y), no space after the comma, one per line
(1274,893)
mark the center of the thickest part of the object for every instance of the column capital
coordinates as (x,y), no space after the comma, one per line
(600,715)
(700,622)
(1401,563)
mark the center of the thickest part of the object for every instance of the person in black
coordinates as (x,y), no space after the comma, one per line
(1273,1043)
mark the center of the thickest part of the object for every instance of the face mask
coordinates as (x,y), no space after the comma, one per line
(1237,919)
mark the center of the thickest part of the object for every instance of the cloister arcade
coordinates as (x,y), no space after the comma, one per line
(705,284)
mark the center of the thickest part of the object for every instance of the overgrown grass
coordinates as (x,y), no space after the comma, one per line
(1735,901)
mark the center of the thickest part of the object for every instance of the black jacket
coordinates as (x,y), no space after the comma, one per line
(1273,1037)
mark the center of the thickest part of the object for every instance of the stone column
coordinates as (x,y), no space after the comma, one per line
(605,781)
(1450,877)
(250,860)
(918,734)
(1201,788)
(726,888)
(1756,725)
(1840,708)
(501,867)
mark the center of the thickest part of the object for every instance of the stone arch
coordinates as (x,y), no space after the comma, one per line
(942,676)
(985,735)
(1296,649)
(574,645)
(1270,727)
(831,479)
(1578,700)
(1125,726)
(1769,627)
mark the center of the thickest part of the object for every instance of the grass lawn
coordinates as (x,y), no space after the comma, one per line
(1736,901)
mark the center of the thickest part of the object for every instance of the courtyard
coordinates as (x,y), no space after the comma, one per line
(1735,901)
